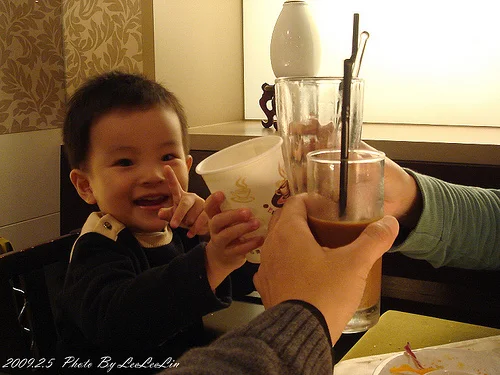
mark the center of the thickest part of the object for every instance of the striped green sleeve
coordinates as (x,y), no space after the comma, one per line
(459,226)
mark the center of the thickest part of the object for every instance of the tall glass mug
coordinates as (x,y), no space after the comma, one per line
(364,205)
(308,112)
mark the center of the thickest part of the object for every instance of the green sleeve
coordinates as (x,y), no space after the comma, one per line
(459,226)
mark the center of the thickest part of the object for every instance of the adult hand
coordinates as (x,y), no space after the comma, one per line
(402,198)
(294,266)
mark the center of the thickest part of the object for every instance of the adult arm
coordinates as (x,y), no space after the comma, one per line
(290,338)
(443,223)
(310,293)
(458,226)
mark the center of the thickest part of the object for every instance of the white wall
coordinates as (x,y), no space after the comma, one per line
(29,186)
(199,56)
(426,62)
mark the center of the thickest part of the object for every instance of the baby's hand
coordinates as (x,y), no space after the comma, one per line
(187,208)
(227,248)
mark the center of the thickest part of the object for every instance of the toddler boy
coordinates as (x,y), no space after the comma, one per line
(139,280)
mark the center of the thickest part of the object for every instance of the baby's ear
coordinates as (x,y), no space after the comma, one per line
(82,184)
(189,162)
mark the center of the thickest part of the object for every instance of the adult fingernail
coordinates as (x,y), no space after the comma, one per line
(254,223)
(246,213)
(389,220)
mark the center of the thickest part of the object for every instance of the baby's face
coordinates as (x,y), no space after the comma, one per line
(125,164)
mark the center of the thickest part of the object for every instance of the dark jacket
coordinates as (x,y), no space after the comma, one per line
(122,299)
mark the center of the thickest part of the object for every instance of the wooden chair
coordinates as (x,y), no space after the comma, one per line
(29,282)
(5,245)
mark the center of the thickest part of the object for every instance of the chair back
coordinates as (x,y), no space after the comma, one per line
(30,280)
(5,245)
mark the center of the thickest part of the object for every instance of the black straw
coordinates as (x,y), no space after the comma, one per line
(344,141)
(355,36)
(345,118)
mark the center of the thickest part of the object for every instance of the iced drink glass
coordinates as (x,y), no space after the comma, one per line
(308,113)
(364,204)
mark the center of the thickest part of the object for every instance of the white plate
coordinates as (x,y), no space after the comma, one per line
(462,360)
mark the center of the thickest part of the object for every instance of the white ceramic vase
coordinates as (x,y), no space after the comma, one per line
(295,42)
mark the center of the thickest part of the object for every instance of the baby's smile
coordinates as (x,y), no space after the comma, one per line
(151,201)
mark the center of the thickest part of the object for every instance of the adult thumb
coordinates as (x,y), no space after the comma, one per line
(378,237)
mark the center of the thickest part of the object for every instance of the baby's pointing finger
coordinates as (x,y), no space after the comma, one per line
(173,184)
(183,214)
(199,226)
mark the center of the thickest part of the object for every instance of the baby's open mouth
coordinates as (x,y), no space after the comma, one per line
(151,201)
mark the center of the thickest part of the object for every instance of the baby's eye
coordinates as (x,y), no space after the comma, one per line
(167,157)
(123,163)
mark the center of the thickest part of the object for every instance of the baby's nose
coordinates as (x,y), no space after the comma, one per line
(153,175)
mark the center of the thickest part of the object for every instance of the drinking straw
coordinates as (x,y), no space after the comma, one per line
(355,33)
(344,140)
(345,118)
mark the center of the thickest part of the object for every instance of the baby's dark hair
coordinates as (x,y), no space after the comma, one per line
(105,93)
